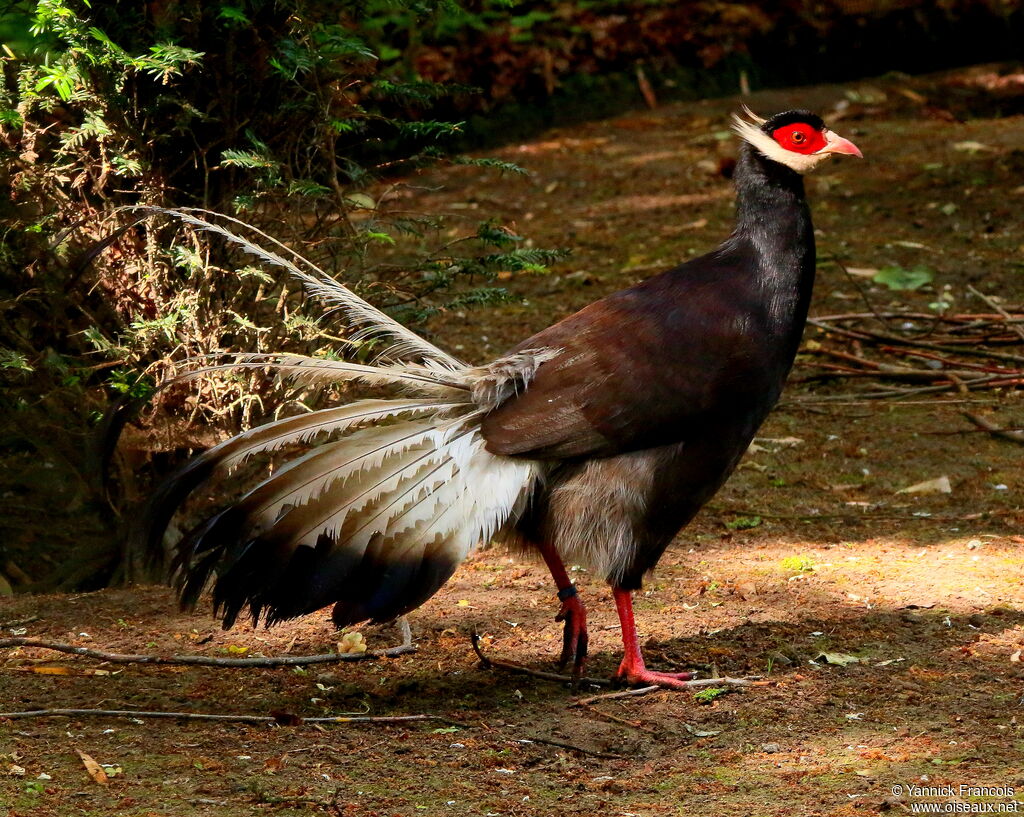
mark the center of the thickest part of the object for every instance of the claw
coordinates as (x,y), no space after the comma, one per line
(574,634)
(642,676)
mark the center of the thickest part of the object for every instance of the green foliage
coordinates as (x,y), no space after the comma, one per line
(706,696)
(743,523)
(797,564)
(9,359)
(131,383)
(487,161)
(289,112)
(899,279)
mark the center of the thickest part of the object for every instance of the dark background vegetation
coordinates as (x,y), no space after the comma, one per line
(291,115)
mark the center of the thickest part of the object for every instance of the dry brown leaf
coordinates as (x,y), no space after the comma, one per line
(93,768)
(64,671)
(746,590)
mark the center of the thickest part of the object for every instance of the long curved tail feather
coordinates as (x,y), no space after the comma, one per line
(376,502)
(400,343)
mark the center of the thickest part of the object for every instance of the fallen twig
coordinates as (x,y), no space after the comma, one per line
(879,337)
(280,719)
(862,515)
(697,683)
(571,747)
(989,382)
(18,622)
(625,721)
(992,303)
(993,429)
(212,661)
(535,673)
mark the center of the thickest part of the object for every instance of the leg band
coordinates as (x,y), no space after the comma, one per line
(567,592)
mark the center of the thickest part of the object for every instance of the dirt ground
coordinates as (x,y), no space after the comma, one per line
(889,626)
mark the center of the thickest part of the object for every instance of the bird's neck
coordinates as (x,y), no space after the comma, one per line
(770,205)
(774,223)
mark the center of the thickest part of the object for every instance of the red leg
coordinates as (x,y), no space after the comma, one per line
(632,668)
(572,612)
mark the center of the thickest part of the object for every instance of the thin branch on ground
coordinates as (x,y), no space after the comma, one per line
(615,718)
(696,683)
(938,517)
(871,336)
(572,747)
(281,719)
(994,430)
(18,622)
(993,305)
(808,405)
(900,393)
(487,663)
(212,661)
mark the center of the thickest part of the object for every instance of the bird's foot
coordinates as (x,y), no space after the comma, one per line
(574,634)
(635,675)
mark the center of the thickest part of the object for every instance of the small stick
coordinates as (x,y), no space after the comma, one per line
(993,429)
(988,381)
(282,720)
(811,517)
(535,673)
(889,340)
(991,302)
(611,696)
(799,405)
(907,375)
(929,316)
(948,361)
(18,622)
(571,747)
(625,721)
(212,661)
(861,361)
(749,681)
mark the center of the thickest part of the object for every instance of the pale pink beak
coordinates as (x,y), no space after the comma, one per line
(837,144)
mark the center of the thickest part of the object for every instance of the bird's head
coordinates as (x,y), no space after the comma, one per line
(797,139)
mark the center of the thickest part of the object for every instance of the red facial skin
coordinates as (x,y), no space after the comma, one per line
(800,138)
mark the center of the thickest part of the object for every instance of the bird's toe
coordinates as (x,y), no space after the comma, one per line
(645,677)
(574,635)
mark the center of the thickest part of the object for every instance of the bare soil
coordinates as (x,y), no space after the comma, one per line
(808,551)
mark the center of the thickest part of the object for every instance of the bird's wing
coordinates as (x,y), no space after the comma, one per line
(648,366)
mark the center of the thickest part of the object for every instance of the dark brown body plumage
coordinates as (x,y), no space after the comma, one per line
(657,390)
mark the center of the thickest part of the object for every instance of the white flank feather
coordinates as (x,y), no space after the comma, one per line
(305,428)
(406,450)
(306,478)
(432,483)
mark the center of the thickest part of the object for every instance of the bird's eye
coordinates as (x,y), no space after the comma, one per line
(800,137)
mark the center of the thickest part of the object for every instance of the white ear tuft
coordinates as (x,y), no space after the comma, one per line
(750,132)
(753,117)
